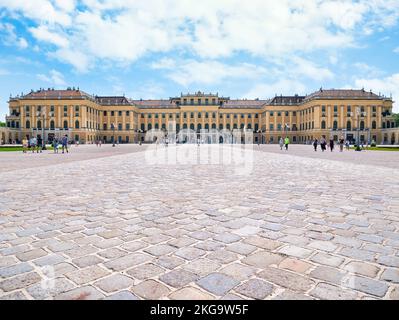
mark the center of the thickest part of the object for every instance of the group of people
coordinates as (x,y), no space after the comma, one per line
(331,144)
(284,143)
(36,144)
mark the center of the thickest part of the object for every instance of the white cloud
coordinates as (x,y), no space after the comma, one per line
(367,70)
(10,38)
(54,77)
(283,86)
(396,50)
(124,31)
(310,70)
(208,72)
(387,86)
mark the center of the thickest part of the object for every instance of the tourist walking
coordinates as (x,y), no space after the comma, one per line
(286,142)
(331,144)
(25,143)
(341,144)
(33,143)
(315,144)
(39,144)
(64,142)
(281,143)
(323,144)
(347,144)
(55,145)
(100,142)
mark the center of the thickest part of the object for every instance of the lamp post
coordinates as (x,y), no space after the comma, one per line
(42,114)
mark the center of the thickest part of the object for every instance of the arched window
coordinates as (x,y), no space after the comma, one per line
(383,125)
(220,126)
(27,124)
(52,125)
(199,126)
(335,125)
(249,126)
(207,126)
(214,126)
(374,125)
(156,126)
(256,127)
(235,126)
(349,126)
(361,125)
(192,126)
(77,124)
(323,124)
(149,126)
(39,124)
(177,127)
(65,124)
(184,125)
(142,126)
(163,126)
(388,125)
(228,126)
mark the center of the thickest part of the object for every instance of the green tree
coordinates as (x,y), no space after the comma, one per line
(396,117)
(2,124)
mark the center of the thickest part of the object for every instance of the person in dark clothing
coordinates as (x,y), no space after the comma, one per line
(315,142)
(331,144)
(39,144)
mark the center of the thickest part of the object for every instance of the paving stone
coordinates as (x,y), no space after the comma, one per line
(145,271)
(247,231)
(389,261)
(190,293)
(108,243)
(160,250)
(290,295)
(209,245)
(111,233)
(222,256)
(286,279)
(7,261)
(255,288)
(323,245)
(62,268)
(112,253)
(114,283)
(17,295)
(169,262)
(127,261)
(151,289)
(181,242)
(227,238)
(49,260)
(263,259)
(366,285)
(15,269)
(81,293)
(238,271)
(391,275)
(87,261)
(80,251)
(263,243)
(83,276)
(241,248)
(394,295)
(362,268)
(60,285)
(327,259)
(134,246)
(357,254)
(295,265)
(19,281)
(178,278)
(62,246)
(328,274)
(217,283)
(190,253)
(295,251)
(231,297)
(122,295)
(327,291)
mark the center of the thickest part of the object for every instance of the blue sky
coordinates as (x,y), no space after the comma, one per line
(160,48)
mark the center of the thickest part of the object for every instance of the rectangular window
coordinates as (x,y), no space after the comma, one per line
(294,113)
(149,116)
(228,116)
(271,127)
(323,108)
(286,113)
(105,113)
(127,126)
(249,116)
(256,116)
(65,111)
(206,101)
(127,113)
(112,113)
(192,115)
(214,101)
(199,101)
(163,116)
(184,101)
(271,113)
(279,114)
(52,108)
(335,109)
(156,116)
(192,101)
(120,113)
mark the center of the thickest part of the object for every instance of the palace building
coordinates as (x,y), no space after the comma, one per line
(353,114)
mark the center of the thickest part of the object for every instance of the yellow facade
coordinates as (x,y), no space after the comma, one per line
(85,118)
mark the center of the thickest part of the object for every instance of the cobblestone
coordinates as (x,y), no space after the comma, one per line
(308,238)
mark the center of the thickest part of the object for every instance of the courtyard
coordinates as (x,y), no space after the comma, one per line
(127,223)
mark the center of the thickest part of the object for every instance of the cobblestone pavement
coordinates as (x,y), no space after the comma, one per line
(126,227)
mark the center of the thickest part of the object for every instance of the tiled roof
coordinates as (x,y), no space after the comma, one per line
(113,100)
(343,94)
(153,104)
(249,104)
(287,100)
(56,94)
